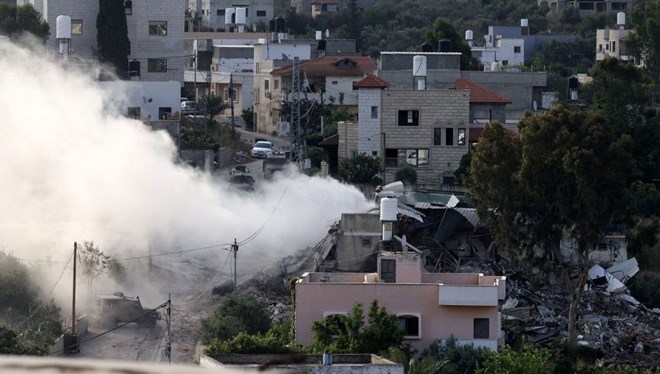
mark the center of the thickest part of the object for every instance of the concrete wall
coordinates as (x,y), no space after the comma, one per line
(77,10)
(369,140)
(437,109)
(434,60)
(145,46)
(437,322)
(202,159)
(148,96)
(359,235)
(347,132)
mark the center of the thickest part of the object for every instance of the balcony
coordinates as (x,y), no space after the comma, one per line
(457,295)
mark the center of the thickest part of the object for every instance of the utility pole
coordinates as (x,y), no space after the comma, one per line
(195,66)
(73,307)
(168,319)
(234,248)
(231,100)
(295,109)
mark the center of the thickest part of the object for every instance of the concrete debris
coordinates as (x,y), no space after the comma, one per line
(599,276)
(624,270)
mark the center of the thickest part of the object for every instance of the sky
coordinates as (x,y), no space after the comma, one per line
(73,172)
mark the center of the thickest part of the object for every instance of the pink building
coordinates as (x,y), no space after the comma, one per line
(430,306)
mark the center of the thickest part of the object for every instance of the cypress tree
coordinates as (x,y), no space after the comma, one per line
(112,35)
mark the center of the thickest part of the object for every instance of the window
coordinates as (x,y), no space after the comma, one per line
(417,157)
(374,112)
(324,7)
(437,136)
(158,28)
(227,94)
(410,326)
(76,27)
(461,137)
(388,270)
(516,49)
(276,84)
(613,46)
(406,156)
(600,47)
(505,62)
(133,112)
(157,65)
(449,136)
(481,328)
(266,84)
(128,7)
(334,82)
(600,7)
(261,13)
(409,118)
(164,112)
(366,242)
(220,12)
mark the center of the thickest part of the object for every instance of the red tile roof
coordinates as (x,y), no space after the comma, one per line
(333,65)
(480,94)
(371,81)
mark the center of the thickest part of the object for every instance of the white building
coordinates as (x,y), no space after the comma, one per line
(612,43)
(213,15)
(143,100)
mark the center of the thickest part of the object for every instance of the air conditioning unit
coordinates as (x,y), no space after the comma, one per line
(268,94)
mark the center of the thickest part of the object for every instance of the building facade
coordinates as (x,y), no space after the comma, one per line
(430,306)
(212,15)
(613,43)
(155,31)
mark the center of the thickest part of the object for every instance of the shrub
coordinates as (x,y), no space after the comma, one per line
(527,360)
(233,316)
(407,175)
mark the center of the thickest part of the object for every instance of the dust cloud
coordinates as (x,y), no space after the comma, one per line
(72,171)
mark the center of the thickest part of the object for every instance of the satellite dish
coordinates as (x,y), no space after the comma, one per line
(534,105)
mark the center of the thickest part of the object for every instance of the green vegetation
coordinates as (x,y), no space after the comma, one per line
(112,35)
(16,20)
(361,169)
(235,315)
(348,333)
(248,117)
(406,174)
(10,345)
(564,174)
(276,340)
(37,322)
(527,360)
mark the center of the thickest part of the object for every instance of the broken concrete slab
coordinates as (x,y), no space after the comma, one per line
(597,274)
(624,270)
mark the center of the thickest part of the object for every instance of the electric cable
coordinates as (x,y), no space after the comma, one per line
(48,296)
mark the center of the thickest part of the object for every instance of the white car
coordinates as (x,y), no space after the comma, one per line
(262,149)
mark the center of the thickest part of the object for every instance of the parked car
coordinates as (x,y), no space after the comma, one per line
(262,149)
(188,107)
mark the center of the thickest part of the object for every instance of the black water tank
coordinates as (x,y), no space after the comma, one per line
(427,47)
(321,45)
(276,24)
(444,45)
(573,83)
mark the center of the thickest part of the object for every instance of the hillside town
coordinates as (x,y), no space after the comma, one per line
(330,186)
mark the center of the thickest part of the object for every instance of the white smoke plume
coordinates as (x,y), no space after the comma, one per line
(71,172)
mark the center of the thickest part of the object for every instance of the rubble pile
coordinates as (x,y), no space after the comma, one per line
(609,319)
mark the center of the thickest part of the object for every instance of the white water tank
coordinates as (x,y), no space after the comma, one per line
(469,35)
(241,16)
(388,209)
(319,35)
(63,27)
(495,66)
(621,19)
(419,66)
(229,12)
(524,22)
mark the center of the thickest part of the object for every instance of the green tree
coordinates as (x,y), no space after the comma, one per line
(406,174)
(455,358)
(444,30)
(463,172)
(9,344)
(348,333)
(248,117)
(361,169)
(37,321)
(112,35)
(236,314)
(15,20)
(646,39)
(212,105)
(565,174)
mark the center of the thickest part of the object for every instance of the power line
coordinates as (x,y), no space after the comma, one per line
(173,252)
(263,226)
(48,296)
